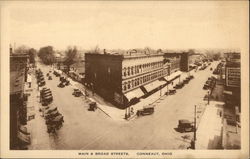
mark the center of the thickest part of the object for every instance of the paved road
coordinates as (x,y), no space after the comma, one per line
(94,130)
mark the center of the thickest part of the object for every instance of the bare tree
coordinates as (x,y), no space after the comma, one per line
(71,55)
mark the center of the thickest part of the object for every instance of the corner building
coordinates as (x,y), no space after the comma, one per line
(124,79)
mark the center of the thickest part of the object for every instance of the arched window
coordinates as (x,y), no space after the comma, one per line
(125,72)
(133,83)
(125,86)
(129,84)
(128,71)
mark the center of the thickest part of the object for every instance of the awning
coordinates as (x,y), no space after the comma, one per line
(228,92)
(153,85)
(24,138)
(192,65)
(23,130)
(136,93)
(173,76)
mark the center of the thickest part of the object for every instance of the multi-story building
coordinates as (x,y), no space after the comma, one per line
(232,79)
(18,100)
(124,78)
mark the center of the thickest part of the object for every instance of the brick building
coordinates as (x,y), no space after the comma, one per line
(18,101)
(232,79)
(123,79)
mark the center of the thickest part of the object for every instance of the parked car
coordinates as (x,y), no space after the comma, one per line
(206,86)
(92,106)
(171,92)
(145,111)
(179,85)
(61,85)
(185,125)
(77,93)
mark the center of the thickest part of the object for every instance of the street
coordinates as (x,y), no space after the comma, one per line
(87,130)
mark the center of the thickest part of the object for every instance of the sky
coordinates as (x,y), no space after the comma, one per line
(127,24)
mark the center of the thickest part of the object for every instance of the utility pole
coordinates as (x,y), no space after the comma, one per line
(208,95)
(194,126)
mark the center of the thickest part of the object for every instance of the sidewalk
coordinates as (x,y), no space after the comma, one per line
(232,132)
(36,126)
(119,114)
(209,132)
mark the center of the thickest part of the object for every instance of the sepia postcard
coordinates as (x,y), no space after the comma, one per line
(124,79)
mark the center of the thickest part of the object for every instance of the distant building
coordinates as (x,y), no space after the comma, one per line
(124,78)
(233,79)
(18,100)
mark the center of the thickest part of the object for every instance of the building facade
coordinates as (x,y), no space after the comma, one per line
(18,100)
(125,78)
(233,79)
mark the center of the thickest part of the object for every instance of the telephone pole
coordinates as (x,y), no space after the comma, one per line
(194,126)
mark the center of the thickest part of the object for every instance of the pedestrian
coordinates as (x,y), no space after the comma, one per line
(132,110)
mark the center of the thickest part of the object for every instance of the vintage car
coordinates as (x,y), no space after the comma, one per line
(61,85)
(49,78)
(206,86)
(185,81)
(42,83)
(185,126)
(145,111)
(179,85)
(171,92)
(92,106)
(77,93)
(66,83)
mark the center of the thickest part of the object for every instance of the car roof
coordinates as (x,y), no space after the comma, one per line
(184,121)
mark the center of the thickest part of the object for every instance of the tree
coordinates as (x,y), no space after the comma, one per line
(32,54)
(71,54)
(46,54)
(23,49)
(26,50)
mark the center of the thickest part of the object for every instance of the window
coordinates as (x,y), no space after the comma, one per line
(125,86)
(124,72)
(129,85)
(128,71)
(132,70)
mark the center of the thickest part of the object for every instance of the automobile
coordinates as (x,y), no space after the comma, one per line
(42,83)
(77,93)
(61,85)
(191,76)
(171,92)
(47,98)
(145,111)
(51,116)
(43,95)
(179,85)
(49,78)
(206,86)
(66,83)
(50,109)
(185,125)
(186,80)
(45,91)
(92,106)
